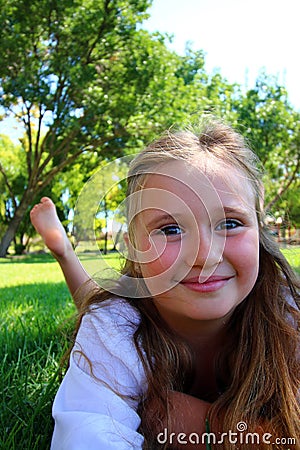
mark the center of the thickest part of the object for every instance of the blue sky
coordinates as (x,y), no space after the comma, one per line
(238,37)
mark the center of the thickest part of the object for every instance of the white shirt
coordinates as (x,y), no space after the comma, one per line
(88,413)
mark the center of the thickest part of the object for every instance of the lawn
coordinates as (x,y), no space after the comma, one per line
(38,315)
(293,256)
(37,321)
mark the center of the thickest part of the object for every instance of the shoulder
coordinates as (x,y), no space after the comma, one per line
(105,347)
(96,404)
(114,319)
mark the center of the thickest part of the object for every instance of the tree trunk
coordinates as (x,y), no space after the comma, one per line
(13,225)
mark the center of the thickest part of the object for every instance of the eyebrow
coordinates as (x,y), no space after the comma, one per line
(235,210)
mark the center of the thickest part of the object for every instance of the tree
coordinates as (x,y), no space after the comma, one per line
(272,127)
(11,180)
(68,77)
(55,67)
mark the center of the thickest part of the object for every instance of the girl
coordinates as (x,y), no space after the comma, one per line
(201,332)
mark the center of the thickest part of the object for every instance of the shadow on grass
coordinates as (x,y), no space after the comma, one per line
(31,258)
(37,322)
(36,258)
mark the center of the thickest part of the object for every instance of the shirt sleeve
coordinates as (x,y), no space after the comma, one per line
(95,406)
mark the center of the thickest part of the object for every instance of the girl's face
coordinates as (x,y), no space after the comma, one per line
(197,242)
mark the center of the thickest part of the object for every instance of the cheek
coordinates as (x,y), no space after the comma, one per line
(161,259)
(243,253)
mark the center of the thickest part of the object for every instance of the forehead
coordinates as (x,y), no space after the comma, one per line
(212,183)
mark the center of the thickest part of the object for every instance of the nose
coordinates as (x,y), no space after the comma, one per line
(205,249)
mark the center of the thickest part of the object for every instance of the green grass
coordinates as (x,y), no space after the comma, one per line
(37,318)
(292,254)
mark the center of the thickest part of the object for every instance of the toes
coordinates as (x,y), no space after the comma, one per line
(45,200)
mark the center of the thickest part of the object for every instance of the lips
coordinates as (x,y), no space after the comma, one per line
(206,284)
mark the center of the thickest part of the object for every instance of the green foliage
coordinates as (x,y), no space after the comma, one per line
(272,127)
(60,78)
(12,179)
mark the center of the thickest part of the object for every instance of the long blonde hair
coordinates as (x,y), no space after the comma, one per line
(259,367)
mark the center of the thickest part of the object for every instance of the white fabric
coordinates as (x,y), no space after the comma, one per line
(88,413)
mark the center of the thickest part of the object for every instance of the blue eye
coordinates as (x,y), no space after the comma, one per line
(229,224)
(171,230)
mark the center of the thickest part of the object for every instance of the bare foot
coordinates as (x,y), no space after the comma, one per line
(46,222)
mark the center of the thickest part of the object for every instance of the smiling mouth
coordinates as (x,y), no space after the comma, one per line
(205,285)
